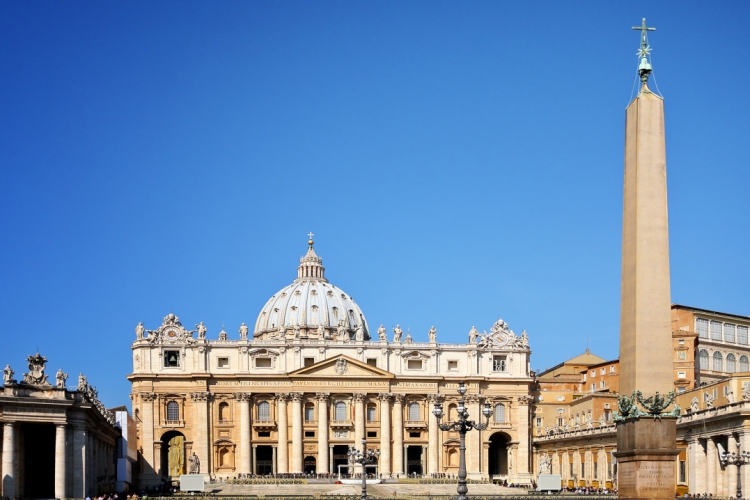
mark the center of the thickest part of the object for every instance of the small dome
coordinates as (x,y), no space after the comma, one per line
(310,307)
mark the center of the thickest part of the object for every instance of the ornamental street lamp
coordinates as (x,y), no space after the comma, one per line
(739,460)
(462,426)
(364,458)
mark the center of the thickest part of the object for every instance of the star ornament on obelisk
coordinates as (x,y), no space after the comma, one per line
(646,429)
(644,67)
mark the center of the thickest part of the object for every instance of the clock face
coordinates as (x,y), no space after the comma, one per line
(171,332)
(502,339)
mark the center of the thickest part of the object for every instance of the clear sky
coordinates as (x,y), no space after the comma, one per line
(458,162)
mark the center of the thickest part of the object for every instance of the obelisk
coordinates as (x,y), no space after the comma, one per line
(646,447)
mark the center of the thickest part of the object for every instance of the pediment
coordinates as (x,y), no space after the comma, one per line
(340,367)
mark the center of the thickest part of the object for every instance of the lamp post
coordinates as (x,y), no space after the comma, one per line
(462,426)
(364,457)
(738,459)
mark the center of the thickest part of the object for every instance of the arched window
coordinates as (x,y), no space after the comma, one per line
(414,412)
(703,359)
(339,411)
(731,363)
(371,413)
(744,364)
(224,412)
(499,413)
(309,412)
(718,364)
(264,411)
(173,411)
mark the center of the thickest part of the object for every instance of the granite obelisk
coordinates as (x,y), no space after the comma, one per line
(646,432)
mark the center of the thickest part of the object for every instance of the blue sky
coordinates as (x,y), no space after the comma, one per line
(458,162)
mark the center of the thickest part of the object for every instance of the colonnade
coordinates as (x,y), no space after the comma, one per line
(589,463)
(705,472)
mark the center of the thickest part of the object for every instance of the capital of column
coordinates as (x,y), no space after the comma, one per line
(385,396)
(525,399)
(435,398)
(283,397)
(359,397)
(473,398)
(243,396)
(322,396)
(201,396)
(297,397)
(148,396)
(399,398)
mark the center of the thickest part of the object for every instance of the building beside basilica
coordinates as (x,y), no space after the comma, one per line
(312,380)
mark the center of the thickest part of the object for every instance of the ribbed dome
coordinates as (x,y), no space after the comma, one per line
(311,307)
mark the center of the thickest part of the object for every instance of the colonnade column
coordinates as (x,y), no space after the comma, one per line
(711,464)
(385,434)
(433,432)
(79,459)
(730,488)
(323,464)
(297,447)
(245,451)
(359,423)
(697,466)
(9,460)
(283,448)
(60,460)
(744,438)
(398,434)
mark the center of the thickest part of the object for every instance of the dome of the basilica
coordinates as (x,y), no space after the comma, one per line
(311,307)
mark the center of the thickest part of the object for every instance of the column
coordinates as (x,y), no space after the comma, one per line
(745,471)
(60,460)
(330,459)
(297,448)
(245,463)
(385,434)
(147,433)
(273,459)
(79,459)
(398,434)
(9,460)
(254,467)
(696,466)
(433,433)
(283,451)
(424,459)
(201,426)
(473,438)
(323,464)
(711,463)
(359,424)
(730,488)
(522,459)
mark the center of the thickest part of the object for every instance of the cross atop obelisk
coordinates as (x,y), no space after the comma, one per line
(644,67)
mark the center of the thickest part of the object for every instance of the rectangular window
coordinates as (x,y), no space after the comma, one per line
(701,327)
(560,398)
(593,373)
(414,364)
(372,362)
(309,362)
(602,371)
(309,413)
(716,330)
(372,434)
(683,476)
(309,434)
(726,390)
(223,362)
(584,376)
(593,387)
(415,434)
(681,374)
(264,434)
(171,359)
(370,413)
(729,332)
(453,366)
(538,421)
(559,422)
(601,384)
(612,369)
(583,470)
(742,334)
(499,363)
(561,410)
(680,390)
(262,362)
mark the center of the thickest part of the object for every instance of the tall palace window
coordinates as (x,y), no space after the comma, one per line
(718,362)
(499,414)
(414,412)
(703,359)
(173,411)
(264,411)
(339,411)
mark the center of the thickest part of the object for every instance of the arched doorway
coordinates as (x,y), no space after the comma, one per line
(172,454)
(310,465)
(340,458)
(498,455)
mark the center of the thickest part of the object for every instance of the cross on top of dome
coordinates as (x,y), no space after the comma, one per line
(311,266)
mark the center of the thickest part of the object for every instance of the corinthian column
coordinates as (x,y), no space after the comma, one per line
(359,422)
(385,433)
(398,433)
(473,438)
(434,434)
(322,464)
(147,435)
(60,461)
(245,451)
(522,466)
(297,448)
(9,460)
(283,452)
(200,425)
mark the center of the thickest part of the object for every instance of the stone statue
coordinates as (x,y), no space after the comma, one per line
(36,375)
(139,331)
(360,333)
(730,397)
(243,331)
(397,333)
(746,394)
(382,334)
(473,333)
(695,404)
(194,466)
(341,330)
(296,331)
(83,384)
(8,374)
(433,335)
(524,339)
(282,331)
(201,330)
(321,331)
(545,464)
(60,378)
(709,400)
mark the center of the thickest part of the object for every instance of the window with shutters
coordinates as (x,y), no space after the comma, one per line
(731,363)
(703,359)
(173,411)
(718,364)
(729,330)
(309,412)
(414,412)
(339,412)
(701,327)
(716,330)
(371,413)
(499,414)
(742,334)
(744,364)
(264,411)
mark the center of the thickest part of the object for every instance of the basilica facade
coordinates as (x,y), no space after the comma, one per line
(311,380)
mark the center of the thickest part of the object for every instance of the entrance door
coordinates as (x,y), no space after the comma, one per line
(264,460)
(498,455)
(38,460)
(173,454)
(310,465)
(414,460)
(340,458)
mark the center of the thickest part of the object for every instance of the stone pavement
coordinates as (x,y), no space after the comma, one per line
(378,490)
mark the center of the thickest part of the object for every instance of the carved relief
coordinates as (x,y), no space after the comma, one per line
(171,331)
(199,396)
(399,398)
(322,396)
(385,396)
(358,397)
(244,396)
